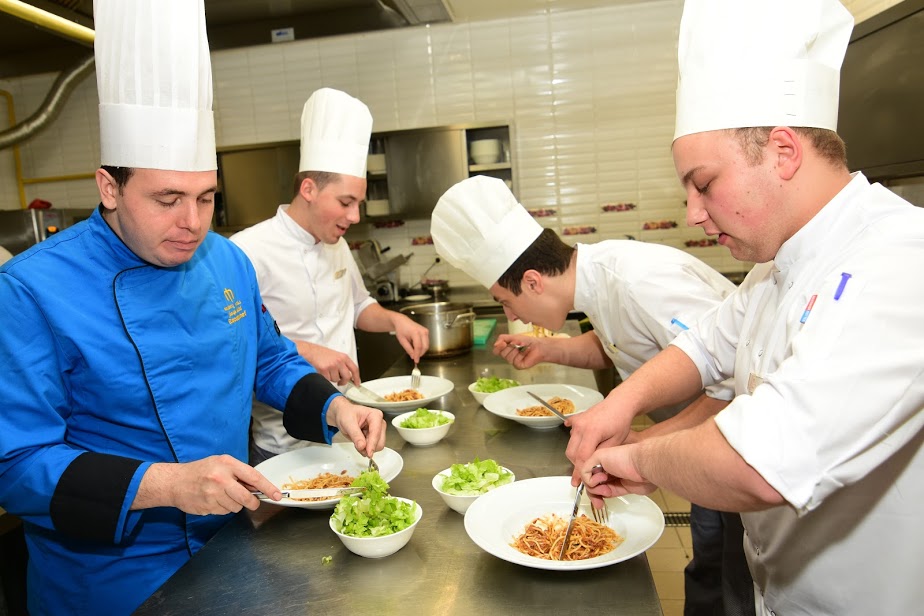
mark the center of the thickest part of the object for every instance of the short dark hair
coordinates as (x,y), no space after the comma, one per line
(548,255)
(826,142)
(320,178)
(119,174)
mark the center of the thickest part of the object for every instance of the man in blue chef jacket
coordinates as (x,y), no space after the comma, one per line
(138,341)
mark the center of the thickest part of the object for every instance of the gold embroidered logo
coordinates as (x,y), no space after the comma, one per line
(234,309)
(339,274)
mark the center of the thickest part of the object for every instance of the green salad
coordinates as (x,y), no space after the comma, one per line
(423,418)
(475,478)
(491,384)
(373,513)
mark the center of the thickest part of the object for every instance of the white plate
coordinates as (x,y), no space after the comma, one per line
(418,298)
(432,387)
(309,462)
(498,516)
(505,402)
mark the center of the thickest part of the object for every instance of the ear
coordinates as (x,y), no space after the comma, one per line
(533,281)
(108,189)
(308,190)
(786,148)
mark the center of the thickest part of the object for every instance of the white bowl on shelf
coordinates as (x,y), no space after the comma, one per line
(485,151)
(384,545)
(375,163)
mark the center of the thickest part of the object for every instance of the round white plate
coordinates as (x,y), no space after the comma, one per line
(309,462)
(432,387)
(505,402)
(418,298)
(498,516)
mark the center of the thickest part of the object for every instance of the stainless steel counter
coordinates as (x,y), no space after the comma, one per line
(270,561)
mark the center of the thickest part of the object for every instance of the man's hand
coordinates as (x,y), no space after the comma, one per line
(333,365)
(413,337)
(621,476)
(522,351)
(364,426)
(214,485)
(599,426)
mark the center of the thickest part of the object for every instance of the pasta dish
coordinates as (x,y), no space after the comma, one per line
(563,405)
(404,396)
(543,537)
(537,331)
(324,480)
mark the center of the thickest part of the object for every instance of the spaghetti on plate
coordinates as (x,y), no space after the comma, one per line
(404,396)
(564,406)
(323,480)
(543,538)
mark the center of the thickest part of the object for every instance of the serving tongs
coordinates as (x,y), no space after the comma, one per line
(314,493)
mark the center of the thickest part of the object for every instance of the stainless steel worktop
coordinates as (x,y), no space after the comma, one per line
(270,561)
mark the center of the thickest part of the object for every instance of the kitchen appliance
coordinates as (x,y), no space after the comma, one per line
(20,229)
(449,324)
(380,276)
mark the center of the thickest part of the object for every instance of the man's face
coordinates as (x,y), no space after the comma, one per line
(335,207)
(529,307)
(737,202)
(162,216)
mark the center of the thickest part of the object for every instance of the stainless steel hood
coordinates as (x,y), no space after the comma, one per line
(881,114)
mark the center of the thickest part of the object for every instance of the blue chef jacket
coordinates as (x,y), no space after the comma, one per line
(110,364)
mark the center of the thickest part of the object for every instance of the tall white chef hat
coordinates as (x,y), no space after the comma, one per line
(479,227)
(154,78)
(747,63)
(335,133)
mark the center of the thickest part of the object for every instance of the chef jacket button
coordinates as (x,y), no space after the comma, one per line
(760,353)
(772,613)
(747,343)
(790,284)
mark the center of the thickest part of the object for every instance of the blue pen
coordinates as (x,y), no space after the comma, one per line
(678,324)
(840,288)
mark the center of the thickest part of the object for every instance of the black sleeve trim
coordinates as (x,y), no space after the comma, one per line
(305,407)
(90,494)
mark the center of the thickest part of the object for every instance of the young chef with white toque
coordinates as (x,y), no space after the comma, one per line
(308,277)
(637,296)
(140,338)
(821,448)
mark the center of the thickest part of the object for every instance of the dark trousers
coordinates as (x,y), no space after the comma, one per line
(717,582)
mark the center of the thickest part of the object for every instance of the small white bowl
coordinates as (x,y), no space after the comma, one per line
(423,436)
(379,547)
(458,502)
(478,395)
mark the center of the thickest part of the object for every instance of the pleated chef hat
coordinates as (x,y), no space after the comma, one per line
(335,133)
(154,78)
(747,63)
(479,227)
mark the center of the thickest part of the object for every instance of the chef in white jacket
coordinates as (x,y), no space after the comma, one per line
(821,447)
(307,275)
(637,296)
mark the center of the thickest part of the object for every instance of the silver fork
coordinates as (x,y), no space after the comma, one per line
(415,377)
(602,515)
(372,465)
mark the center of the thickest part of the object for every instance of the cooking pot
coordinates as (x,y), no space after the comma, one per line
(449,324)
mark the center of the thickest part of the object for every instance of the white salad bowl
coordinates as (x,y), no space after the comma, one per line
(459,502)
(478,395)
(379,547)
(423,436)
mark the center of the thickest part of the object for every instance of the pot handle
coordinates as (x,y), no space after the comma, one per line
(466,317)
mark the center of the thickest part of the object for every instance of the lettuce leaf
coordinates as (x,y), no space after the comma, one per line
(373,513)
(491,384)
(475,478)
(423,418)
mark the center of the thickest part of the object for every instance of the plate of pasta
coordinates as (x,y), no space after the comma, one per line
(524,522)
(399,393)
(515,403)
(324,466)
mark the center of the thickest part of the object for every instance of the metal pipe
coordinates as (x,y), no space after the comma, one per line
(51,106)
(17,158)
(48,21)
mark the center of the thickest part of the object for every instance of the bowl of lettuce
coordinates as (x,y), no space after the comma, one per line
(423,427)
(487,385)
(374,524)
(461,484)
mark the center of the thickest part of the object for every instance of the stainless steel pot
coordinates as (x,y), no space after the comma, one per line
(450,326)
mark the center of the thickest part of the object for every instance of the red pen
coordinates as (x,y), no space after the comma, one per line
(808,309)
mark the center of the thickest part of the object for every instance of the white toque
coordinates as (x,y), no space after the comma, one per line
(746,63)
(154,78)
(479,227)
(335,133)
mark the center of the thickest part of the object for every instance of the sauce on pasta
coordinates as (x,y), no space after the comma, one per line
(543,538)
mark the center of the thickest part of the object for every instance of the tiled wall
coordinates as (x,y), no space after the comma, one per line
(590,95)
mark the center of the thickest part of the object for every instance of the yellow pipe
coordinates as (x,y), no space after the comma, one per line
(17,159)
(49,21)
(59,178)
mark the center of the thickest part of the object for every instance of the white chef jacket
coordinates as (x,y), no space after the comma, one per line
(632,291)
(313,290)
(829,404)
